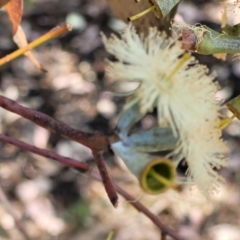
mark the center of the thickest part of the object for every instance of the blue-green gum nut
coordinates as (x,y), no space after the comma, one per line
(155,176)
(128,118)
(158,176)
(163,7)
(153,140)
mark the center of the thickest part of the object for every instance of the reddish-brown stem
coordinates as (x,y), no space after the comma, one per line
(141,208)
(107,182)
(45,153)
(55,126)
(91,140)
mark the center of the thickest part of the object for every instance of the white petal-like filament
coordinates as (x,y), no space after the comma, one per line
(183,92)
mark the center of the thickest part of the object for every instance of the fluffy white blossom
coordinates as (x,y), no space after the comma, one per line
(183,92)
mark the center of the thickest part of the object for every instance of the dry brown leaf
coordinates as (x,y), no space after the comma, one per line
(14,9)
(20,39)
(3,2)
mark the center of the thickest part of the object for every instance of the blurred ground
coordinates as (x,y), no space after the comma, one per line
(58,203)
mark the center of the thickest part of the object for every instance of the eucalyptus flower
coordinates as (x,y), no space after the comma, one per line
(182,91)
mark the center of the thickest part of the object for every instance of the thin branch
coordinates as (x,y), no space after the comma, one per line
(141,208)
(18,222)
(55,32)
(107,182)
(91,140)
(45,153)
(94,141)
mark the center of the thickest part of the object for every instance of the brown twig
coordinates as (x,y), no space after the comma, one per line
(94,141)
(45,153)
(85,138)
(18,222)
(91,140)
(107,182)
(141,208)
(55,32)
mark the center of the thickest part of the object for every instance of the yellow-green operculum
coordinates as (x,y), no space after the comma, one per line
(155,174)
(183,93)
